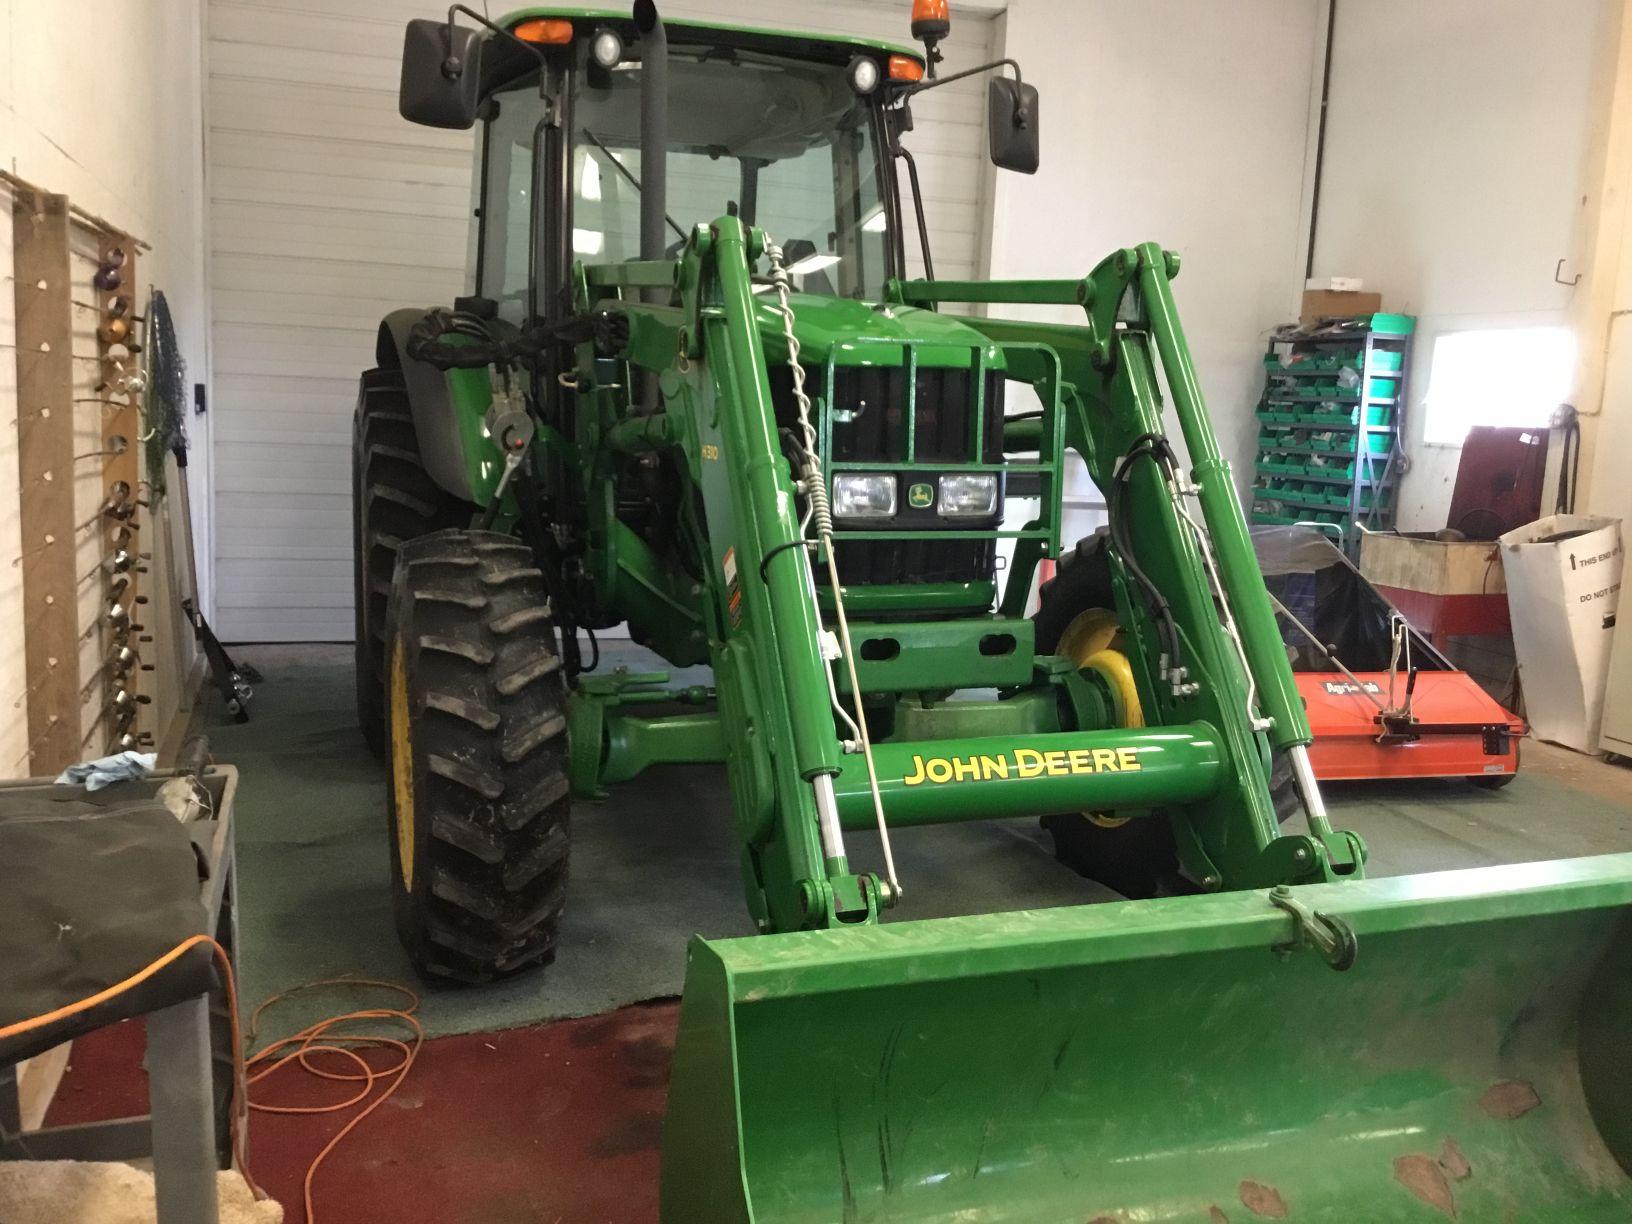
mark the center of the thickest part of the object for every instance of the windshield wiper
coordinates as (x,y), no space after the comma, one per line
(633,181)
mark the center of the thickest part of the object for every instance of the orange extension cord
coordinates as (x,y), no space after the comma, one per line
(319,1038)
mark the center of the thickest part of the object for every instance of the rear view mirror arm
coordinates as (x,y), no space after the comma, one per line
(1022,118)
(452,68)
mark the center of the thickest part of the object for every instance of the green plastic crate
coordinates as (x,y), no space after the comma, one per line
(1393,324)
(1348,443)
(1377,414)
(1331,470)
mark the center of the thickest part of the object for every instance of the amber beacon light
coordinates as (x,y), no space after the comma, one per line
(931,22)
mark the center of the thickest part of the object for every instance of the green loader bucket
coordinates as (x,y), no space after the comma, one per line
(1163,1061)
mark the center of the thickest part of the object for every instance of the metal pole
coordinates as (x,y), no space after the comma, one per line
(654,158)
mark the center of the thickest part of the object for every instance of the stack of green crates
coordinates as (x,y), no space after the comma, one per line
(1329,423)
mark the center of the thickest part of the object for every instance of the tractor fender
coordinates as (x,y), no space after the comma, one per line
(441,447)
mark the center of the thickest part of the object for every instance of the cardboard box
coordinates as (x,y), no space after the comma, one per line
(1563,582)
(1446,588)
(1321,304)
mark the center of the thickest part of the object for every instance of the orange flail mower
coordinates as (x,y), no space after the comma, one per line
(1383,702)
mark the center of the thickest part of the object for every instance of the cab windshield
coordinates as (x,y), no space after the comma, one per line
(784,144)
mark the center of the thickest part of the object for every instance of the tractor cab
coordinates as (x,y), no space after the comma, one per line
(608,137)
(767,129)
(797,134)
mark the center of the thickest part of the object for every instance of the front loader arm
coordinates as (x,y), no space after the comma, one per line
(1181,559)
(1242,683)
(771,677)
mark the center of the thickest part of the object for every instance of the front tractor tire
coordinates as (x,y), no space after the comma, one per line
(477,719)
(393,500)
(1136,857)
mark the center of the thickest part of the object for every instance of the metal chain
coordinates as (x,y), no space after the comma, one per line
(783,286)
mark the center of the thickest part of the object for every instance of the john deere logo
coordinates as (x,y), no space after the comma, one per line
(920,496)
(1023,763)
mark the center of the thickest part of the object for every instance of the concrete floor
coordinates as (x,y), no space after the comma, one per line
(658,862)
(562,1122)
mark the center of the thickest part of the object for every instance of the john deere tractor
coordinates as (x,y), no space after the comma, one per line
(693,391)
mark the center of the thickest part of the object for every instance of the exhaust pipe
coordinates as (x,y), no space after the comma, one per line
(654,129)
(654,156)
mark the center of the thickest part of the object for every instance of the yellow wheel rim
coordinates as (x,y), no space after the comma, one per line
(1093,641)
(402,763)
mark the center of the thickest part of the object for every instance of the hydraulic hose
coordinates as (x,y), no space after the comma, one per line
(493,342)
(1160,451)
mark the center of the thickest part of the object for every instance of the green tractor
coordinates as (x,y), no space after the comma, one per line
(693,391)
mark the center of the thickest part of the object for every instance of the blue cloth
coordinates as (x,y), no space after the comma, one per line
(1299,598)
(116,768)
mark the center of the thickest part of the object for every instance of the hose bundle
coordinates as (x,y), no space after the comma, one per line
(494,342)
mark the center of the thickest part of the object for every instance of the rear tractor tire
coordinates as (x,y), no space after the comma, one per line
(393,500)
(477,720)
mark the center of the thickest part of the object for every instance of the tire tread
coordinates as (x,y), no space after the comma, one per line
(490,728)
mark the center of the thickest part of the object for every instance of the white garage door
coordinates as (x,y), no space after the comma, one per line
(327,211)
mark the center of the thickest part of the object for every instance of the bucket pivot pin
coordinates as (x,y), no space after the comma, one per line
(1332,937)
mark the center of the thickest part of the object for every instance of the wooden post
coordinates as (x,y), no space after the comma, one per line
(45,465)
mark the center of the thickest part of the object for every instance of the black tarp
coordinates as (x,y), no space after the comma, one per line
(1315,582)
(93,888)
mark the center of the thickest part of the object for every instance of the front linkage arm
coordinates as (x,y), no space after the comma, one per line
(1236,676)
(765,635)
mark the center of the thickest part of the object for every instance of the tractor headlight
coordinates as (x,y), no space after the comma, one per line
(606,48)
(968,495)
(869,495)
(863,72)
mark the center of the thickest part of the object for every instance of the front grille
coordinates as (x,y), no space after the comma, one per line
(870,425)
(888,562)
(870,412)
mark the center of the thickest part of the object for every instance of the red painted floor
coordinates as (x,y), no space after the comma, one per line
(559,1124)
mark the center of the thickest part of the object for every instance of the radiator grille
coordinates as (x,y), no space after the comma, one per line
(870,425)
(870,412)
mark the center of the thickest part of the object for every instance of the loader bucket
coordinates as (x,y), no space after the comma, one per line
(1161,1061)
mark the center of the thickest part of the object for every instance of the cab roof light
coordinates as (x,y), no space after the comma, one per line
(905,68)
(550,31)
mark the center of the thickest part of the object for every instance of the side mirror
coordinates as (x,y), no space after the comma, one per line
(441,74)
(1012,123)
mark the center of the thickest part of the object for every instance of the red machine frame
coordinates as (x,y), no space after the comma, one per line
(1423,719)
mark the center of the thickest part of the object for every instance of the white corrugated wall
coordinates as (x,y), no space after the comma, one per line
(327,210)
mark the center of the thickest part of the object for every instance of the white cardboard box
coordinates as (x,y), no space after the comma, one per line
(1563,583)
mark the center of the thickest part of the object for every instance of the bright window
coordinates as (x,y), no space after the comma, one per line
(1509,376)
